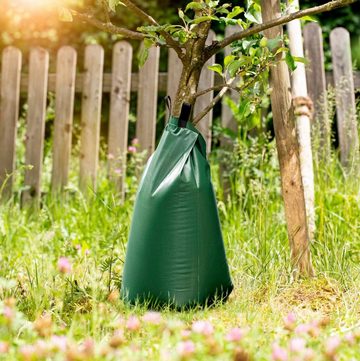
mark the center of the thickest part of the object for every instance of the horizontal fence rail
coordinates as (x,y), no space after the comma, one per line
(92,83)
(162,81)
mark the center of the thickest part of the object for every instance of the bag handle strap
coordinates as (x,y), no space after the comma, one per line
(167,100)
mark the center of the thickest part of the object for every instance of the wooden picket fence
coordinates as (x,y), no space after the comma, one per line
(92,83)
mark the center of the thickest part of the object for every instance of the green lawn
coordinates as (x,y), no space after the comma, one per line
(53,315)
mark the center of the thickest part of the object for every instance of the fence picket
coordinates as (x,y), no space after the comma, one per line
(91,115)
(119,113)
(345,96)
(227,118)
(35,127)
(65,90)
(316,83)
(206,81)
(147,101)
(174,72)
(9,113)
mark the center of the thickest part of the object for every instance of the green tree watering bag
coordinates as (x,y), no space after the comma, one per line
(175,251)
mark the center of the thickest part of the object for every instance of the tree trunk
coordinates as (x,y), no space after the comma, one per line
(192,66)
(288,153)
(303,126)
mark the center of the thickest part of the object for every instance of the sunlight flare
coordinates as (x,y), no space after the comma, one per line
(29,4)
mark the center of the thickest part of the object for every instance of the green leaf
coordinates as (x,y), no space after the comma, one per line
(253,16)
(290,61)
(274,43)
(144,51)
(246,44)
(229,21)
(142,56)
(263,42)
(234,67)
(228,59)
(65,15)
(194,6)
(181,35)
(222,10)
(244,109)
(300,59)
(202,19)
(181,14)
(148,43)
(217,68)
(309,18)
(253,51)
(213,4)
(235,12)
(113,4)
(281,50)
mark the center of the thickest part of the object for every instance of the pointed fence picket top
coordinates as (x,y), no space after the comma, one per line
(35,124)
(206,81)
(9,113)
(316,83)
(147,101)
(119,113)
(345,96)
(63,123)
(91,115)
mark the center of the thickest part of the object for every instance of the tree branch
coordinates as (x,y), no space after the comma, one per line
(217,46)
(210,106)
(108,27)
(139,12)
(213,88)
(223,91)
(170,41)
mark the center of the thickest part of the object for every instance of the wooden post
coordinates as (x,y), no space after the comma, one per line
(288,152)
(173,76)
(119,113)
(38,77)
(303,114)
(316,84)
(147,101)
(345,96)
(91,115)
(64,107)
(206,81)
(9,113)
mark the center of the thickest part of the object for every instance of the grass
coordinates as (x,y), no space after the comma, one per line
(92,233)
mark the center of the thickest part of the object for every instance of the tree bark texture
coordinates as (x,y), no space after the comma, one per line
(288,153)
(193,62)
